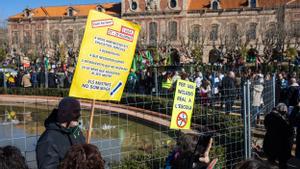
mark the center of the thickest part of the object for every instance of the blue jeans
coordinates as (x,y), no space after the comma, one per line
(255,113)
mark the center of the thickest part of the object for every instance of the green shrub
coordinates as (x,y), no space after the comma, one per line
(143,160)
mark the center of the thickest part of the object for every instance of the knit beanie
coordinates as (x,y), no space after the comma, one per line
(68,110)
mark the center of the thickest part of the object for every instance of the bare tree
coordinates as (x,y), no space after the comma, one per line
(4,49)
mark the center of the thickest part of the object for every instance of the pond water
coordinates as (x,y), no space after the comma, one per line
(116,136)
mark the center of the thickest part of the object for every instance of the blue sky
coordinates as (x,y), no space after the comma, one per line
(12,7)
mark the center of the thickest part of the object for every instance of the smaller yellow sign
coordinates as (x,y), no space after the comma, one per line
(183,105)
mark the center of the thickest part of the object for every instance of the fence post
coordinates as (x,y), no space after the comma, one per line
(4,78)
(249,118)
(156,81)
(46,78)
(274,89)
(245,120)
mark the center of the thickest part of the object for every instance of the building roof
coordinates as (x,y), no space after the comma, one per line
(60,11)
(229,4)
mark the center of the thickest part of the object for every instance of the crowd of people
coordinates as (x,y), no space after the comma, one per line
(30,78)
(63,145)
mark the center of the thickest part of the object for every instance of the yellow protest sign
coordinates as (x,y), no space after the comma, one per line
(105,57)
(183,105)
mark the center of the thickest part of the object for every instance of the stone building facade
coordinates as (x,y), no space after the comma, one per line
(210,22)
(45,29)
(173,22)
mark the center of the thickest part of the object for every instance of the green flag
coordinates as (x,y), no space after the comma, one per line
(134,64)
(149,57)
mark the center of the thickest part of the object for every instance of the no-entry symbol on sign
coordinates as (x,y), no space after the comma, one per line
(182,119)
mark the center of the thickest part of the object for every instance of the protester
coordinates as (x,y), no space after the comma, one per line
(198,80)
(132,79)
(19,78)
(228,89)
(11,158)
(83,156)
(34,79)
(279,136)
(11,81)
(257,97)
(205,93)
(41,78)
(167,83)
(52,79)
(61,133)
(295,121)
(191,152)
(26,80)
(281,89)
(293,94)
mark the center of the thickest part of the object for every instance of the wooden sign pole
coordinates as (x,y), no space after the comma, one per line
(89,131)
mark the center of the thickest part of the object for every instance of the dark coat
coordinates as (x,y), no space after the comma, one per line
(295,121)
(52,80)
(279,136)
(41,78)
(228,87)
(293,92)
(55,142)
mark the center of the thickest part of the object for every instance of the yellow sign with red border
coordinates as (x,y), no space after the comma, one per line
(105,57)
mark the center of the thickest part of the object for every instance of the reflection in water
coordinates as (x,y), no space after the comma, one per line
(114,135)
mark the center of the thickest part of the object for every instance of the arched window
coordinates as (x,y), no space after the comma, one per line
(295,30)
(134,5)
(27,37)
(39,37)
(100,8)
(195,33)
(80,34)
(215,5)
(153,33)
(70,11)
(15,37)
(173,3)
(214,32)
(271,31)
(251,33)
(69,37)
(173,30)
(27,12)
(233,30)
(27,41)
(55,37)
(253,3)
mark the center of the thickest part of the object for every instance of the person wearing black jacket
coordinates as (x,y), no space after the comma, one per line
(295,121)
(228,91)
(279,136)
(61,133)
(293,94)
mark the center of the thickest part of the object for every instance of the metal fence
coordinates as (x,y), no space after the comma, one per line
(135,132)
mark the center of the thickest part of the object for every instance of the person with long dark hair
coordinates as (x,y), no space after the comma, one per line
(12,158)
(83,156)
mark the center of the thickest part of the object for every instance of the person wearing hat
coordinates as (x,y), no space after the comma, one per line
(61,133)
(279,136)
